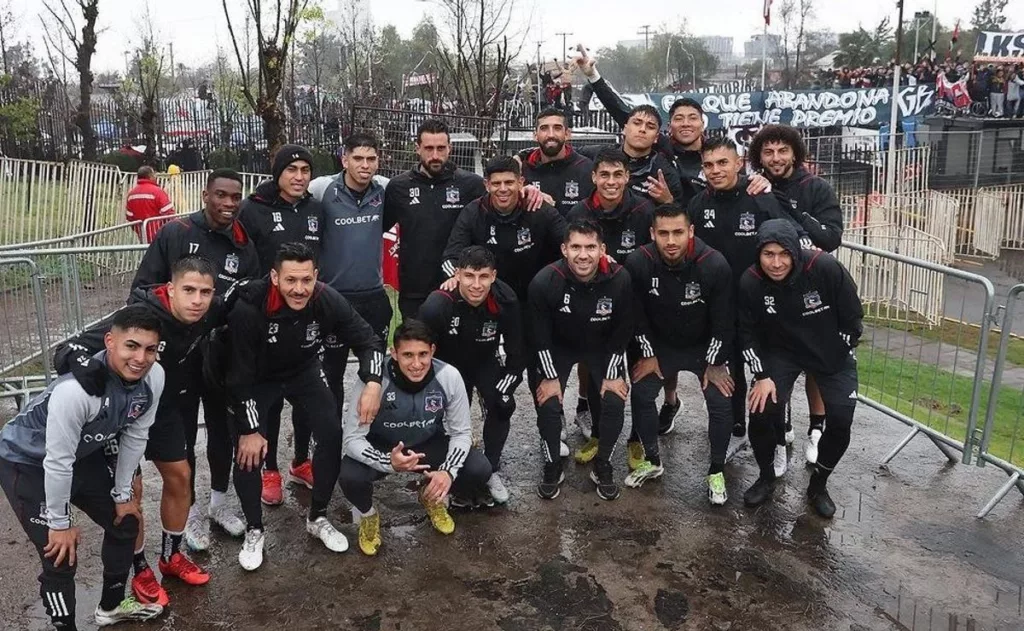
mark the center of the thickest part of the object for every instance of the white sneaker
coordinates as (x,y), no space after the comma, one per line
(563,449)
(250,556)
(497,488)
(736,445)
(323,530)
(197,532)
(811,451)
(790,436)
(781,461)
(584,422)
(224,517)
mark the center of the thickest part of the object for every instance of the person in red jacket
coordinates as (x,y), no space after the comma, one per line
(147,200)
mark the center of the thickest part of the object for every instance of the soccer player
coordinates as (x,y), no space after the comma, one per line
(553,165)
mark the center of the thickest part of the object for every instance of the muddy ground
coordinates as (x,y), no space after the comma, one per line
(904,552)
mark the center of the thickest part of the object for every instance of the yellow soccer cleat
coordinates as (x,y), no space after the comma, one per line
(439,517)
(369,534)
(635,455)
(587,452)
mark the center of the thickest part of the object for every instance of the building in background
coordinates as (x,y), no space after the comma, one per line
(753,47)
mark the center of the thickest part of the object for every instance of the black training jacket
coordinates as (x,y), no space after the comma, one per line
(468,337)
(644,167)
(522,241)
(271,342)
(811,201)
(230,250)
(586,319)
(271,222)
(425,209)
(567,180)
(687,305)
(813,317)
(625,228)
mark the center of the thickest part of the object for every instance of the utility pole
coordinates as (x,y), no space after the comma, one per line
(645,30)
(894,101)
(171,47)
(565,51)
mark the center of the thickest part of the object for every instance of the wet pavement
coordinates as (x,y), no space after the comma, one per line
(904,552)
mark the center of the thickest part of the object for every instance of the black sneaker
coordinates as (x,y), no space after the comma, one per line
(548,489)
(667,417)
(602,476)
(821,502)
(460,502)
(760,492)
(483,499)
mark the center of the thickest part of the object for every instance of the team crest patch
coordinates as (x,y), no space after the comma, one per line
(433,402)
(451,195)
(231,263)
(489,329)
(137,405)
(313,223)
(332,339)
(312,331)
(604,306)
(523,236)
(692,291)
(572,189)
(628,239)
(747,222)
(812,300)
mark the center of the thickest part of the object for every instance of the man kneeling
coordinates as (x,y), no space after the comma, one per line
(422,427)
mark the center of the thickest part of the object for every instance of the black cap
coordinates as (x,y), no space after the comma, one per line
(288,154)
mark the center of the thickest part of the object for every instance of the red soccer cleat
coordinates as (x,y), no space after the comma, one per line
(272,494)
(185,569)
(148,590)
(302,474)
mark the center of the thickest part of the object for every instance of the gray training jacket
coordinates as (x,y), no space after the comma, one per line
(351,237)
(64,424)
(413,418)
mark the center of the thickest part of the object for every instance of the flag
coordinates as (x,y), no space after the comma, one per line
(953,40)
(767,12)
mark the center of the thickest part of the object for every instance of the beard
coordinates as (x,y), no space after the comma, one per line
(552,150)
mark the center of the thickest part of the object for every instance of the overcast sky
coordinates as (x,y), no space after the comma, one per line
(197,27)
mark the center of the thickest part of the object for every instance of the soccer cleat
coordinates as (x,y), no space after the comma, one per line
(759,492)
(182,567)
(781,463)
(585,422)
(197,532)
(331,537)
(821,502)
(635,454)
(369,534)
(811,450)
(439,517)
(272,494)
(497,488)
(302,474)
(548,489)
(563,449)
(148,590)
(130,610)
(736,445)
(228,521)
(645,471)
(717,494)
(602,476)
(250,556)
(667,417)
(587,452)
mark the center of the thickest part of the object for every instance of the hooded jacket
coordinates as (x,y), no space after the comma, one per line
(585,319)
(230,250)
(523,242)
(567,179)
(352,243)
(271,222)
(698,291)
(813,317)
(644,167)
(271,342)
(425,209)
(626,227)
(812,203)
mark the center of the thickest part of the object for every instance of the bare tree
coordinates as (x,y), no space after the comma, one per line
(794,16)
(83,45)
(274,23)
(805,12)
(150,70)
(7,26)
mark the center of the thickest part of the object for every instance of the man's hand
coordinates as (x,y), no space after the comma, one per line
(369,403)
(451,284)
(586,63)
(252,448)
(763,390)
(617,386)
(657,188)
(535,198)
(90,373)
(131,507)
(62,544)
(646,366)
(548,388)
(719,377)
(758,184)
(438,485)
(406,460)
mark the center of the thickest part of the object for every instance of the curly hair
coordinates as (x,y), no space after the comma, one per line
(777,133)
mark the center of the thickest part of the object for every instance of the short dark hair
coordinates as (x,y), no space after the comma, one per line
(721,142)
(136,317)
(610,155)
(502,164)
(685,102)
(553,111)
(477,257)
(361,139)
(296,252)
(584,227)
(671,210)
(645,109)
(777,133)
(195,264)
(146,172)
(413,330)
(431,126)
(222,174)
